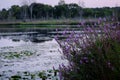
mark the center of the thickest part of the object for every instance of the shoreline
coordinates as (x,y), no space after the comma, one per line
(46,22)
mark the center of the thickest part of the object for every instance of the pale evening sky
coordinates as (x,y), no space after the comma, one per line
(87,3)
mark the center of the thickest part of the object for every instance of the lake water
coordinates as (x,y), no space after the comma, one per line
(6,42)
(31,56)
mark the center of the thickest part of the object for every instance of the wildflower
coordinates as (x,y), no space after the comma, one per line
(95,47)
(81,62)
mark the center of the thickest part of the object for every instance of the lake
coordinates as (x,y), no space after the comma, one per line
(31,50)
(28,52)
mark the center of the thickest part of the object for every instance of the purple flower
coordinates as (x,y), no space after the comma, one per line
(85,58)
(81,62)
(56,30)
(109,63)
(56,38)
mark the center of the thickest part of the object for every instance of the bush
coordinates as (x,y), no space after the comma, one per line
(93,55)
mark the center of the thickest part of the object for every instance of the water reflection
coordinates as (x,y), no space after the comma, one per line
(15,40)
(22,39)
(16,49)
(7,42)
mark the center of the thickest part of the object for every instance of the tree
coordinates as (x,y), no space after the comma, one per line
(73,10)
(3,14)
(15,11)
(60,11)
(61,2)
(81,5)
(88,12)
(30,10)
(24,8)
(31,7)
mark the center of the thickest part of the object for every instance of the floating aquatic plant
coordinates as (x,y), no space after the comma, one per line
(15,55)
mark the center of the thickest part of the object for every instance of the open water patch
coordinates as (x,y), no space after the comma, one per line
(17,57)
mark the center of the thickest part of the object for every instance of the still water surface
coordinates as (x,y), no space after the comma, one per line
(5,42)
(44,55)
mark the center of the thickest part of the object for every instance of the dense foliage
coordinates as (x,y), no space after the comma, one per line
(43,11)
(93,55)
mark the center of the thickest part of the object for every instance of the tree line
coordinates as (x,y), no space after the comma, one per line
(43,11)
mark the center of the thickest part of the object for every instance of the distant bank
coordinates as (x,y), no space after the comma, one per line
(46,22)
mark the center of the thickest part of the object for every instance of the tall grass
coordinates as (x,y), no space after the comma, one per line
(93,55)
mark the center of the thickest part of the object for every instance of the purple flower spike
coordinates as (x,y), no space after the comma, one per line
(85,58)
(81,62)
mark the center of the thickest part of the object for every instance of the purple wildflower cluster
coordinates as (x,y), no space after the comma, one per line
(93,53)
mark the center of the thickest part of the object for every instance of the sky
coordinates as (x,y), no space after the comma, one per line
(87,3)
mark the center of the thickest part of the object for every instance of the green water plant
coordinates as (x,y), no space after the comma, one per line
(16,55)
